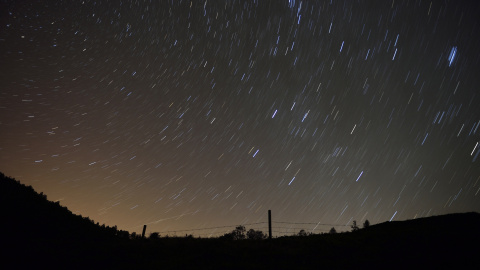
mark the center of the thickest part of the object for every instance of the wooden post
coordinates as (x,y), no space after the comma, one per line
(144,229)
(269,224)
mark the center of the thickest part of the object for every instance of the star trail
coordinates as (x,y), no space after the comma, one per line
(197,114)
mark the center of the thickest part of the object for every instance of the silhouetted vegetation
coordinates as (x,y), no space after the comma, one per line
(354,226)
(366,224)
(154,235)
(302,232)
(239,233)
(41,234)
(256,235)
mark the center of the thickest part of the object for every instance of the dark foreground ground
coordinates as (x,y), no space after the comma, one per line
(39,234)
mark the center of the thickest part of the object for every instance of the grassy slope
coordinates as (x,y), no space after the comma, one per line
(42,234)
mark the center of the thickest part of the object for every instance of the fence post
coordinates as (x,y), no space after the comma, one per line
(270,224)
(144,229)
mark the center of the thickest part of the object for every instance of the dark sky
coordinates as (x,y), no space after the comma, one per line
(194,114)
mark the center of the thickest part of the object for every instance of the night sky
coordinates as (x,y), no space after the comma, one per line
(199,114)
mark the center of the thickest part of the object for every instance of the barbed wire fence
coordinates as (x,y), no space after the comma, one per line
(279,228)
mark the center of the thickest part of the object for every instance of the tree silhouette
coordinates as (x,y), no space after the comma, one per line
(332,231)
(302,233)
(122,234)
(154,235)
(354,226)
(366,224)
(255,235)
(134,235)
(238,233)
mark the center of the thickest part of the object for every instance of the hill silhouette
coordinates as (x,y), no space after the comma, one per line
(41,234)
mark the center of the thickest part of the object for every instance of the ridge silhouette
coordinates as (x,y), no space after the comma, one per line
(40,234)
